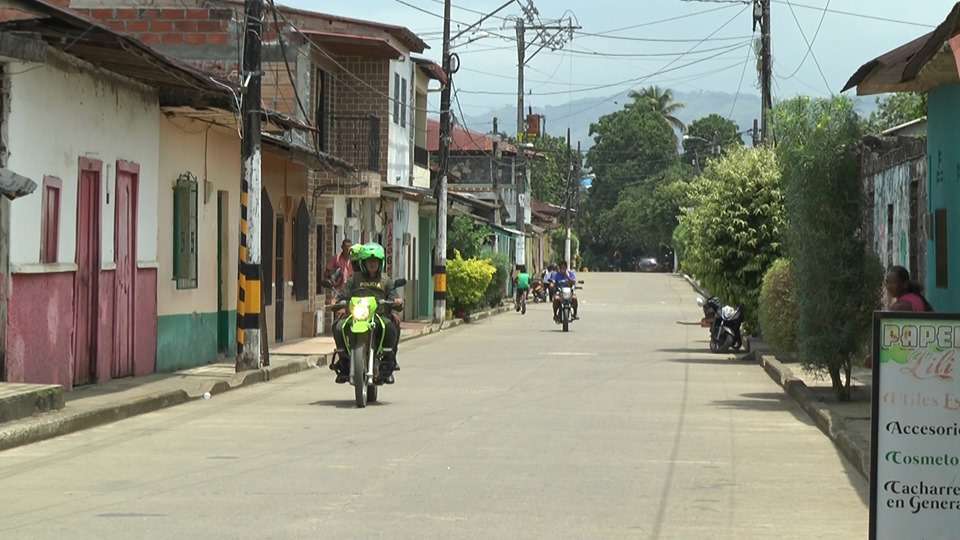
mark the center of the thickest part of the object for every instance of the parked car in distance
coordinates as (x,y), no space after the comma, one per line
(648,264)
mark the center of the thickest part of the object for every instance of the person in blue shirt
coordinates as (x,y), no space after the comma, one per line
(560,278)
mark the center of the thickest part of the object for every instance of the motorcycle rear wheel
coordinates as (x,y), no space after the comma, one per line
(724,345)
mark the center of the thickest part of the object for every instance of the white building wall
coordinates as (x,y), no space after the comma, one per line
(196,147)
(60,112)
(399,138)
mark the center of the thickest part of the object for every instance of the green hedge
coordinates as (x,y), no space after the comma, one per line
(778,307)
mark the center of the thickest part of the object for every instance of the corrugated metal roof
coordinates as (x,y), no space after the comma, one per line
(920,65)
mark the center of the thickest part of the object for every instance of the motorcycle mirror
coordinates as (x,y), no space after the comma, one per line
(399,283)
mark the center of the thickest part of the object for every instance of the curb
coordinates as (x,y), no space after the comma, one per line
(853,447)
(63,422)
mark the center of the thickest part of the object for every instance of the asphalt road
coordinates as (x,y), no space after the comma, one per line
(623,428)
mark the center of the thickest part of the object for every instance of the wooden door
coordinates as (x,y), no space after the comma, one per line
(125,256)
(86,283)
(279,275)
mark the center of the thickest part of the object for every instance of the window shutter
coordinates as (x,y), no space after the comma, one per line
(403,103)
(185,231)
(396,97)
(180,230)
(301,246)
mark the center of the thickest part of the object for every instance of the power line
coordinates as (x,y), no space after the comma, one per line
(743,73)
(860,15)
(619,83)
(428,12)
(664,40)
(823,16)
(606,33)
(810,46)
(710,35)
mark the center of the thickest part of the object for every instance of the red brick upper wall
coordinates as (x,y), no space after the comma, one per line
(167,26)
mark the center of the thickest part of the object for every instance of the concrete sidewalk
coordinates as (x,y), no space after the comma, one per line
(847,424)
(117,399)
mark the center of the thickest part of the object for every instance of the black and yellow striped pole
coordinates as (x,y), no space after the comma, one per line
(440,253)
(248,276)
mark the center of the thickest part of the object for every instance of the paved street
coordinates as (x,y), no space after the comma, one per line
(624,428)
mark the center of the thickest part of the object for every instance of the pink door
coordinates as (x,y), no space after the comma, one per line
(125,253)
(88,270)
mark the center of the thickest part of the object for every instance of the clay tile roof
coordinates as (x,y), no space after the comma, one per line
(464,140)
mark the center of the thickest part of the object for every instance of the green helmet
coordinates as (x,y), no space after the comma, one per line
(362,252)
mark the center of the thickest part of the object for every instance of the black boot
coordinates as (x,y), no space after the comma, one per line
(342,367)
(387,366)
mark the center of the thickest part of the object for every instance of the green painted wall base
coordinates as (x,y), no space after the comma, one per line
(190,340)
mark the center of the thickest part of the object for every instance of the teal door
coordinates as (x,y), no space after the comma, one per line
(427,239)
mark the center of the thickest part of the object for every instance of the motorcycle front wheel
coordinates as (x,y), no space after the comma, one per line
(359,356)
(566,319)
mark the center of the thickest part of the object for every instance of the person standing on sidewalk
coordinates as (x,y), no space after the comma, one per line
(905,294)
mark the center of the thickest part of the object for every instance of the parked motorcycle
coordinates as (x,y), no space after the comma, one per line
(724,323)
(565,294)
(363,322)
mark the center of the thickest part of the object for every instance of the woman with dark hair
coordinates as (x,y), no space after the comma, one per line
(906,295)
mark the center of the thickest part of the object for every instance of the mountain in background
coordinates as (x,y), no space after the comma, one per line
(579,114)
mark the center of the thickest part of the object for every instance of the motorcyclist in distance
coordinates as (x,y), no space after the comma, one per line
(563,277)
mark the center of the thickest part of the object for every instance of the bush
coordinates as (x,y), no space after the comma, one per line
(467,281)
(836,281)
(731,233)
(778,308)
(467,237)
(497,290)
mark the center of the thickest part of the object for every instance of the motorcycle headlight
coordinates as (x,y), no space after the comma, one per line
(361,311)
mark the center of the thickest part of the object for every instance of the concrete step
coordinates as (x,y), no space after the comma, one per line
(19,400)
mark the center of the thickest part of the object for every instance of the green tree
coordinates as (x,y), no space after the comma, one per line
(836,283)
(660,101)
(896,109)
(709,135)
(733,226)
(467,237)
(645,216)
(630,146)
(548,171)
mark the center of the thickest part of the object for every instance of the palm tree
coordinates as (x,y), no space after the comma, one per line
(660,101)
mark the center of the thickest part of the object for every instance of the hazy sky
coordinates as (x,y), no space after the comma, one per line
(843,44)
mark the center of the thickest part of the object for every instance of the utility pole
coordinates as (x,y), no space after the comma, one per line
(553,36)
(761,15)
(568,199)
(249,299)
(440,252)
(521,62)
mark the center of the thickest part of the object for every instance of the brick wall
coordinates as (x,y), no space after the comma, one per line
(168,26)
(352,97)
